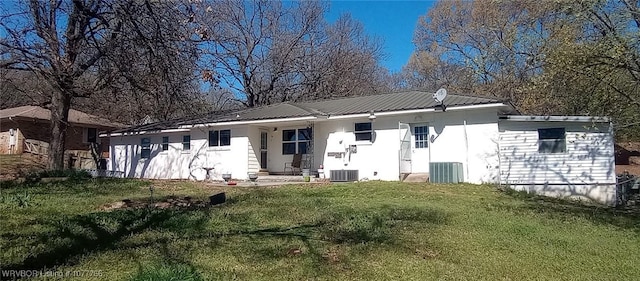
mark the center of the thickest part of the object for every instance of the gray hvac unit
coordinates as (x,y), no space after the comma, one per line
(445,172)
(344,175)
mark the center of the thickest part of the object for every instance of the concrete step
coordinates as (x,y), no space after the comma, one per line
(417,177)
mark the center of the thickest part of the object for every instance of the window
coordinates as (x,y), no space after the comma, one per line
(552,140)
(145,151)
(165,143)
(186,142)
(220,138)
(421,134)
(364,132)
(92,135)
(296,141)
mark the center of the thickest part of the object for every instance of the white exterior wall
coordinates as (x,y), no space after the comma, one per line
(465,136)
(178,164)
(585,170)
(478,151)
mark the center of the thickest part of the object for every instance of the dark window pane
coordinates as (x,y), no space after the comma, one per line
(92,135)
(213,138)
(552,146)
(289,148)
(145,153)
(263,140)
(165,143)
(363,126)
(305,134)
(225,137)
(363,136)
(186,142)
(553,133)
(421,134)
(288,135)
(552,140)
(302,147)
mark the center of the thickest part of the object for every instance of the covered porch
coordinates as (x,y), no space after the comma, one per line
(284,148)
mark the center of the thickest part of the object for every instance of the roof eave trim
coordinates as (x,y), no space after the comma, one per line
(187,128)
(564,118)
(422,110)
(143,132)
(250,122)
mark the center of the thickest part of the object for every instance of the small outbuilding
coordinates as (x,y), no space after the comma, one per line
(559,156)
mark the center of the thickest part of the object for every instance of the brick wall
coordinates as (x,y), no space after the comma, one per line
(4,139)
(39,130)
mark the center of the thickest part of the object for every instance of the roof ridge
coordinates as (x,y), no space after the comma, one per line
(361,96)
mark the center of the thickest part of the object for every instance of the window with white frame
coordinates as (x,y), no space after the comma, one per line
(186,142)
(552,140)
(165,143)
(296,141)
(145,148)
(364,131)
(220,138)
(421,135)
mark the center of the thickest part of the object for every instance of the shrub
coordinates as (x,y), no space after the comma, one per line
(71,174)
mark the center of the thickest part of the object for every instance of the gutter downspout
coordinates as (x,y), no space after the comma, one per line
(466,149)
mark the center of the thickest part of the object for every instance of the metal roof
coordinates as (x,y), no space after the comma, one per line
(390,102)
(398,101)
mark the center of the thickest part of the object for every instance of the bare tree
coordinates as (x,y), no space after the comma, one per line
(66,42)
(548,57)
(265,51)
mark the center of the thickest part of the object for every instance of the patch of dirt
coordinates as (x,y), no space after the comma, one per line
(18,165)
(165,203)
(333,255)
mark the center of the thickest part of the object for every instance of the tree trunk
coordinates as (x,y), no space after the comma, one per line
(60,103)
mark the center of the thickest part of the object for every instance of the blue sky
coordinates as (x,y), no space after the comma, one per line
(392,21)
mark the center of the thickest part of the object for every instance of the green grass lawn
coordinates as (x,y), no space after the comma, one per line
(365,231)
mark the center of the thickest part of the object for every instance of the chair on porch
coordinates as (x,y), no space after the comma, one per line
(294,165)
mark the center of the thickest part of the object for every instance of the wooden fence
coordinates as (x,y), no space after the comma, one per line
(36,147)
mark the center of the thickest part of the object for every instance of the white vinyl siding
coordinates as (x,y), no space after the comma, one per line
(588,158)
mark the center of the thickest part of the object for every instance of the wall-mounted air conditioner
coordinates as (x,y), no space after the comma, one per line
(344,175)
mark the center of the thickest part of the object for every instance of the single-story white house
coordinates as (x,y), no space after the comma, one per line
(380,137)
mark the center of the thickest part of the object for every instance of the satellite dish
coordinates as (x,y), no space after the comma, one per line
(440,95)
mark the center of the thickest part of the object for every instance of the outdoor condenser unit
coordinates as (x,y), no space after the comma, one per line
(445,172)
(343,175)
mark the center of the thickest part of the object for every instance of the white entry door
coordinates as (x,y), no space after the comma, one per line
(419,148)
